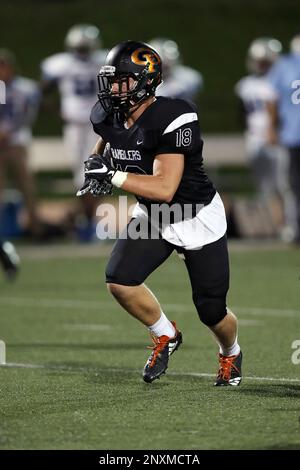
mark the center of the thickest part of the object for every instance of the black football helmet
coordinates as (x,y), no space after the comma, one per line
(129,59)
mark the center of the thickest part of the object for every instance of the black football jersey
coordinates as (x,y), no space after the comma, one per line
(167,126)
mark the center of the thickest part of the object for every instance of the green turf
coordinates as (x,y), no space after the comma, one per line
(88,392)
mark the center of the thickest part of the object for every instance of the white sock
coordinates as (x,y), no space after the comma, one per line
(233,350)
(163,327)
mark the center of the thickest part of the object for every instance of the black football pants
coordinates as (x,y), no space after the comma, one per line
(132,261)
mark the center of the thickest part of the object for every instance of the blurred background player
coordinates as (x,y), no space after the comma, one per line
(9,260)
(285,115)
(74,72)
(268,161)
(179,81)
(17,115)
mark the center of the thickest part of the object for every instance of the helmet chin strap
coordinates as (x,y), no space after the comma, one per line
(136,106)
(129,112)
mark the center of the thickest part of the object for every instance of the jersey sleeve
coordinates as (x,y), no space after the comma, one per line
(54,68)
(238,88)
(103,123)
(182,134)
(270,92)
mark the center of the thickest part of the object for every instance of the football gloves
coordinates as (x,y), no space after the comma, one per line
(98,172)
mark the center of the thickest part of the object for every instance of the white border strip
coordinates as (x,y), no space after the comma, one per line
(66,368)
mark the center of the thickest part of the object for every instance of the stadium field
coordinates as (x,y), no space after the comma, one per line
(74,359)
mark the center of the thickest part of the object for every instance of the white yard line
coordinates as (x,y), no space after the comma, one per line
(86,326)
(97,304)
(250,377)
(273,312)
(121,371)
(245,322)
(55,303)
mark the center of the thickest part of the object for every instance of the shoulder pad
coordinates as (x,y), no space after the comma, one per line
(171,110)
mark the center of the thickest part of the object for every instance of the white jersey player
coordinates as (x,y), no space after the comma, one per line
(18,110)
(255,92)
(75,74)
(179,81)
(268,162)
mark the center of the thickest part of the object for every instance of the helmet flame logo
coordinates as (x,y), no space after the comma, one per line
(146,57)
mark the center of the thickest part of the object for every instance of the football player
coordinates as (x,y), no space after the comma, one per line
(74,72)
(156,154)
(285,116)
(268,162)
(179,81)
(17,115)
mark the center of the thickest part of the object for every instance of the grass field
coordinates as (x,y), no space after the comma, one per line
(73,378)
